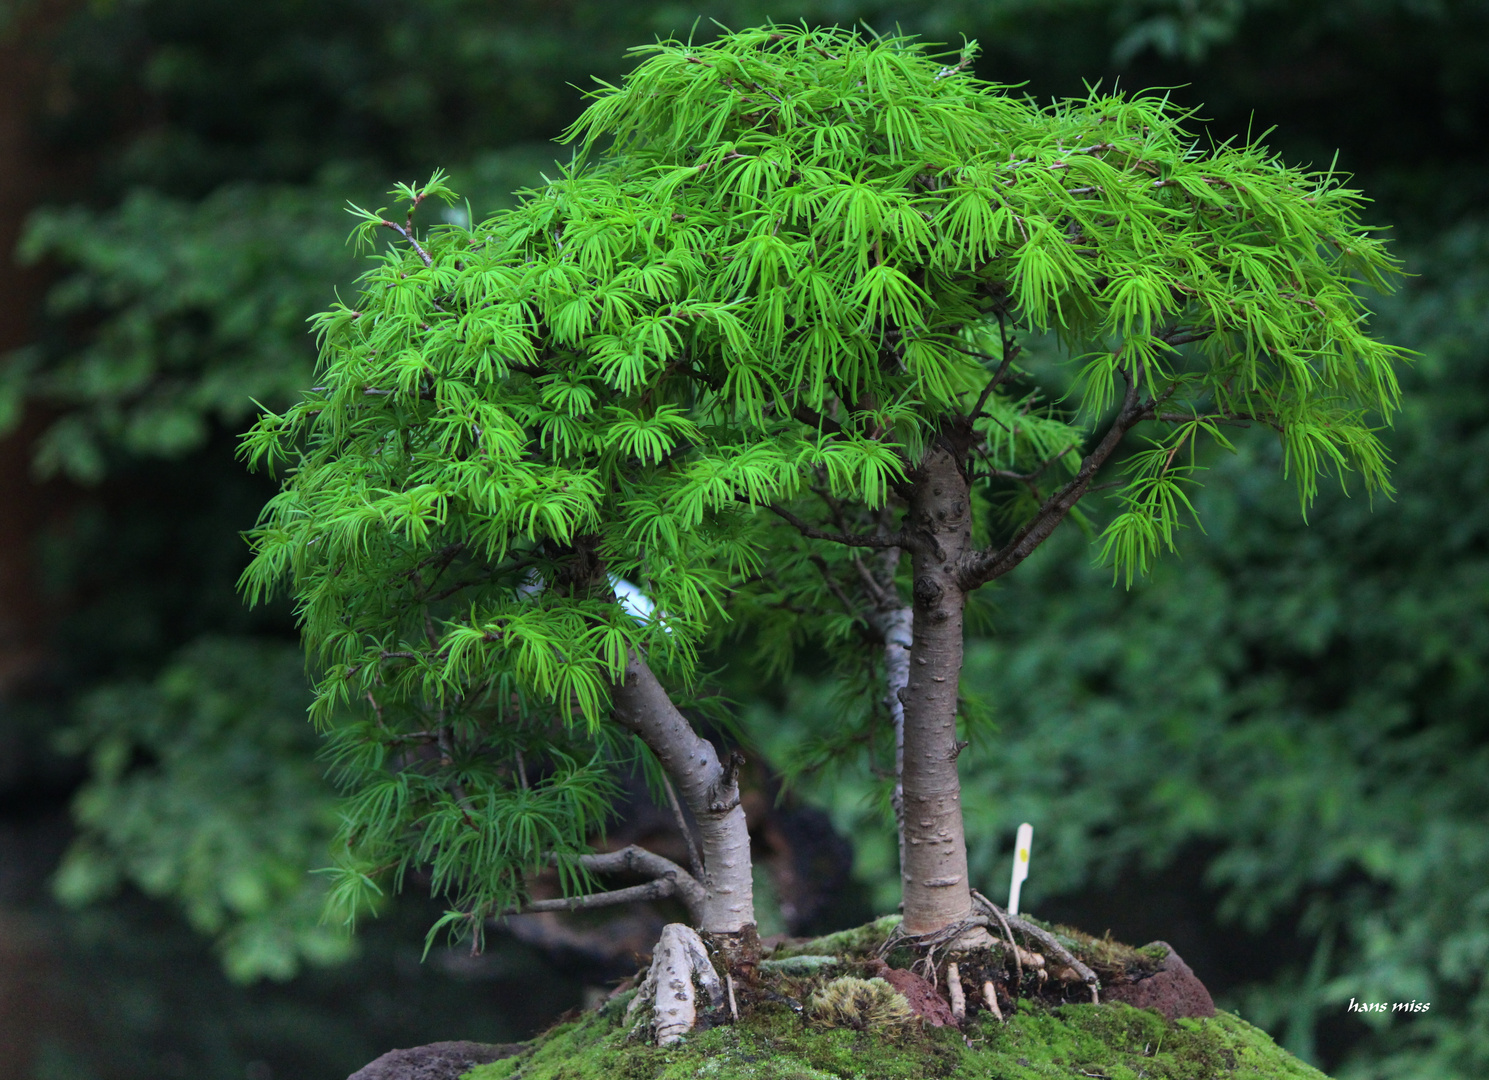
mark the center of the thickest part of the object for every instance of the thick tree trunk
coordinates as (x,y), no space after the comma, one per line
(710,790)
(934,873)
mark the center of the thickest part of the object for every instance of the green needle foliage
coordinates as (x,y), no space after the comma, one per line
(785,270)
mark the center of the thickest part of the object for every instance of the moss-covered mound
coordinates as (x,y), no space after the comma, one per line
(1116,1042)
(817,1014)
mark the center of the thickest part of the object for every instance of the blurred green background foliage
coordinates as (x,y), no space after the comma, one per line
(1272,752)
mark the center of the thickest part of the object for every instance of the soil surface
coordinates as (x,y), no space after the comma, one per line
(925,1000)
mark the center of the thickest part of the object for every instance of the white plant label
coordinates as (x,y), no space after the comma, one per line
(1021,847)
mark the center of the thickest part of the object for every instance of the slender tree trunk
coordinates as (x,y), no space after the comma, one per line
(709,788)
(896,627)
(936,890)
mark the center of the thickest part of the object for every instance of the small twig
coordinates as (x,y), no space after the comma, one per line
(408,234)
(445,594)
(832,585)
(695,858)
(812,418)
(1240,420)
(953,69)
(1029,477)
(1010,353)
(877,592)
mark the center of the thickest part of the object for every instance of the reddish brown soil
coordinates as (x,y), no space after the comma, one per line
(1174,990)
(925,1000)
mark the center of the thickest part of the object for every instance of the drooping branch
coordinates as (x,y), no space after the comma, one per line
(865,540)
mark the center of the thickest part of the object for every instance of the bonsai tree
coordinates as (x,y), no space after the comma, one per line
(889,226)
(761,341)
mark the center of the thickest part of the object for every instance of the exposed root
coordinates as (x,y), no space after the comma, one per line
(954,989)
(964,936)
(1007,933)
(679,968)
(970,936)
(1072,969)
(990,999)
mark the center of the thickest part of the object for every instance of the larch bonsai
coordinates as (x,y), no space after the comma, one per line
(756,345)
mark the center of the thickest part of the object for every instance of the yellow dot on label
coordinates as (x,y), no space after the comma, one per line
(1023,854)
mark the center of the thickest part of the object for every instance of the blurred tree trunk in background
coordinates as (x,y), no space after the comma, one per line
(29,175)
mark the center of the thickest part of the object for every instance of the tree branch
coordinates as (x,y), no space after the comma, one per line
(1028,477)
(668,879)
(1178,335)
(880,594)
(815,419)
(695,858)
(1010,352)
(1239,420)
(867,540)
(832,585)
(659,889)
(983,566)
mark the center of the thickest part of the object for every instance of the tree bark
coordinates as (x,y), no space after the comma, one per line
(896,627)
(708,787)
(680,968)
(934,874)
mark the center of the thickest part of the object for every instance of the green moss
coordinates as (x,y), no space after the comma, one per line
(802,964)
(1111,959)
(859,941)
(1115,1041)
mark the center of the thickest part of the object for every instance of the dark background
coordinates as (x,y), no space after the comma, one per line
(1274,753)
